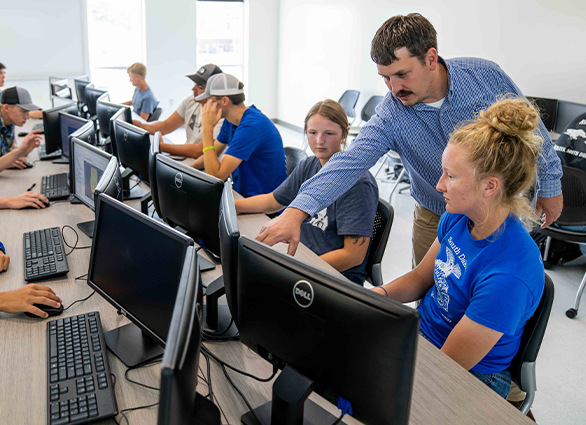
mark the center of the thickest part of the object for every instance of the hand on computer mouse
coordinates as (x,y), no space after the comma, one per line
(27,200)
(22,299)
(21,164)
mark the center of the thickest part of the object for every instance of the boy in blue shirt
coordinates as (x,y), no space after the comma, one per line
(255,156)
(143,100)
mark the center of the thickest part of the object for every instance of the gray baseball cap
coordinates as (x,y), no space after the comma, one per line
(221,85)
(203,73)
(19,97)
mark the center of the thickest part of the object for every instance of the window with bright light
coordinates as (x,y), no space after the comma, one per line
(116,41)
(220,35)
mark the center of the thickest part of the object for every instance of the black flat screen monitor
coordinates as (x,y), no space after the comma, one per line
(92,95)
(123,114)
(52,125)
(229,234)
(178,401)
(87,134)
(133,147)
(567,111)
(57,101)
(69,125)
(80,84)
(126,269)
(547,110)
(59,87)
(328,336)
(105,110)
(89,165)
(188,198)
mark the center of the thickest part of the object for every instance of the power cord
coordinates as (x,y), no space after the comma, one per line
(256,378)
(74,247)
(240,394)
(80,300)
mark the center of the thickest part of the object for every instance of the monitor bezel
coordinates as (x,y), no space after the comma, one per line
(189,254)
(53,143)
(94,93)
(93,149)
(116,117)
(228,227)
(75,118)
(116,107)
(109,173)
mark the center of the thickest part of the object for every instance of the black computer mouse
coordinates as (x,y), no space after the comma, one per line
(51,311)
(22,134)
(47,205)
(28,165)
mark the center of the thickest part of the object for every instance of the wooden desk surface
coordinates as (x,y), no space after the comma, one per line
(443,392)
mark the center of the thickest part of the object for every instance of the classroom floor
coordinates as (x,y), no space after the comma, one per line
(560,371)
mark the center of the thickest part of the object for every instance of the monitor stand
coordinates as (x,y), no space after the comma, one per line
(205,412)
(72,199)
(61,160)
(131,345)
(218,317)
(204,264)
(290,405)
(136,192)
(87,227)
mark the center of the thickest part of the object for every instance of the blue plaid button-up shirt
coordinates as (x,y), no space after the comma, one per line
(419,134)
(6,136)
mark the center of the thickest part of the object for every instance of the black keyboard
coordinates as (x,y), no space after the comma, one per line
(55,186)
(38,127)
(43,254)
(43,155)
(79,384)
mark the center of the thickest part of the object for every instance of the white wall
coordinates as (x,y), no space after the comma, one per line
(324,45)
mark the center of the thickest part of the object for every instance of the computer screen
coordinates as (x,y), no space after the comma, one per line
(349,342)
(567,111)
(178,401)
(547,110)
(89,164)
(92,95)
(133,146)
(52,125)
(105,110)
(80,85)
(127,270)
(69,125)
(189,198)
(123,114)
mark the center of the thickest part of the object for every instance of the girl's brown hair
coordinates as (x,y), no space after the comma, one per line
(333,111)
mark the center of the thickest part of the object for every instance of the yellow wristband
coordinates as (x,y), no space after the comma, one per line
(208,148)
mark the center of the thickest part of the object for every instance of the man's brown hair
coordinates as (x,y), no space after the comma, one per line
(412,31)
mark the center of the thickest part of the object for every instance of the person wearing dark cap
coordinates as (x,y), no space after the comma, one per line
(15,104)
(255,156)
(188,114)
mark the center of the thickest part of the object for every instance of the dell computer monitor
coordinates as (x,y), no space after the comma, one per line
(547,110)
(87,134)
(52,125)
(178,401)
(105,110)
(335,338)
(133,145)
(126,269)
(89,164)
(59,87)
(229,235)
(80,84)
(567,111)
(123,114)
(69,125)
(92,95)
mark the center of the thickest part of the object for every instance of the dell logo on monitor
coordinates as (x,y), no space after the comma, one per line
(109,110)
(178,180)
(303,293)
(125,135)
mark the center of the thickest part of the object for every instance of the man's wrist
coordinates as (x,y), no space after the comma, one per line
(296,214)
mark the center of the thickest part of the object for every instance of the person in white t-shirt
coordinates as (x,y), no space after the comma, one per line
(188,114)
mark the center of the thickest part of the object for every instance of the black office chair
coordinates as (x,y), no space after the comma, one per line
(523,364)
(369,109)
(155,115)
(348,101)
(381,230)
(293,156)
(573,214)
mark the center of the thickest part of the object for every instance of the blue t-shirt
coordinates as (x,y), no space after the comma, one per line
(257,142)
(497,282)
(351,215)
(145,101)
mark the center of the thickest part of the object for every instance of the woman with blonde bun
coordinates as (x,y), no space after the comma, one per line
(483,276)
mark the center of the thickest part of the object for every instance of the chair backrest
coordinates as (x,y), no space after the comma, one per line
(369,109)
(383,221)
(293,156)
(155,115)
(533,332)
(348,101)
(574,191)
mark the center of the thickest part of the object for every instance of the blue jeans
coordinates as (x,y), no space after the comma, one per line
(499,382)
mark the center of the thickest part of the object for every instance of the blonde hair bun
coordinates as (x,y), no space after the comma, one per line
(512,117)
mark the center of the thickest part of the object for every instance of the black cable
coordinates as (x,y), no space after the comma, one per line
(123,412)
(339,419)
(137,183)
(241,395)
(221,362)
(79,301)
(216,334)
(81,277)
(151,363)
(74,247)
